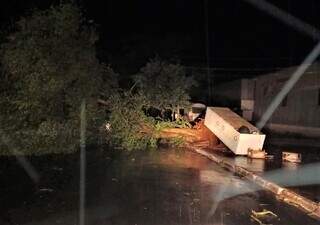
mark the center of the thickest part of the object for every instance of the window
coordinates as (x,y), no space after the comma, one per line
(284,101)
(265,90)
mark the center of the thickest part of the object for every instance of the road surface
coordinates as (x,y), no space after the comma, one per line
(166,186)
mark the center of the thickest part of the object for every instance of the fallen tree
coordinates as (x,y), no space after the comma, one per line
(160,86)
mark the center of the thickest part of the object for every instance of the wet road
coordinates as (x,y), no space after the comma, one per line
(159,187)
(302,178)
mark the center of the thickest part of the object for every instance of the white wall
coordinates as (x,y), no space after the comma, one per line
(302,108)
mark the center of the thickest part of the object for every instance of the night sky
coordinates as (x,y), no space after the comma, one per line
(241,37)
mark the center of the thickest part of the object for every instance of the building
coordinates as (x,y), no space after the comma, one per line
(299,112)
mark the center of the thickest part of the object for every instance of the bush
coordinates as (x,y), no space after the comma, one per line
(159,86)
(131,129)
(165,85)
(50,66)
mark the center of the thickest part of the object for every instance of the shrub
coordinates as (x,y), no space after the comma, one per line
(50,66)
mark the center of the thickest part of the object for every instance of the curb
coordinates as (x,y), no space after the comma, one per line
(310,207)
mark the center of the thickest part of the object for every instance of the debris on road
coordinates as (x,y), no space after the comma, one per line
(291,157)
(264,217)
(256,154)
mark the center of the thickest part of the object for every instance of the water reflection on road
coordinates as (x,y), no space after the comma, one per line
(159,187)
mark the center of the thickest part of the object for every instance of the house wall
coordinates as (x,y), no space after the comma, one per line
(247,98)
(300,113)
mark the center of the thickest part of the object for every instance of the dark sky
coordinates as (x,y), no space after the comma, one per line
(240,36)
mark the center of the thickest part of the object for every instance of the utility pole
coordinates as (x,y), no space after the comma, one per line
(207,33)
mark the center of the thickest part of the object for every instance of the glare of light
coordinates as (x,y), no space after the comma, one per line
(289,85)
(302,176)
(82,163)
(286,18)
(22,160)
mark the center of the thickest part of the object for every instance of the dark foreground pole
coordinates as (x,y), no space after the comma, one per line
(82,163)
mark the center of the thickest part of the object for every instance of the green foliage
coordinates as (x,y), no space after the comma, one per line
(180,123)
(160,85)
(176,141)
(50,65)
(165,85)
(130,127)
